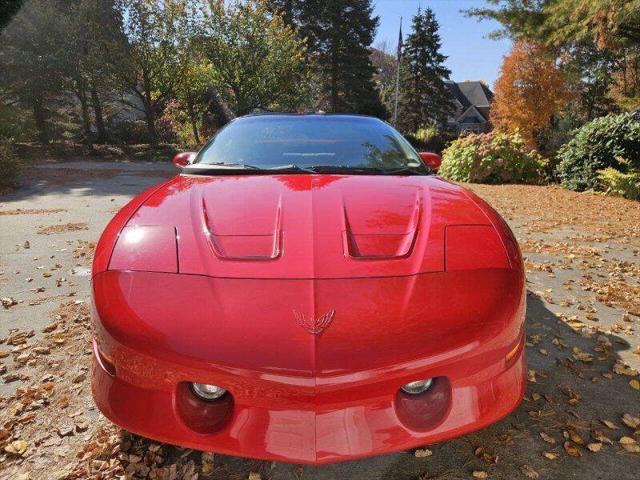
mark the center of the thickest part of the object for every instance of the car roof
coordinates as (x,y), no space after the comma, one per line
(309,115)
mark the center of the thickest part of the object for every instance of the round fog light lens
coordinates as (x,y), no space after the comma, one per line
(207,391)
(417,387)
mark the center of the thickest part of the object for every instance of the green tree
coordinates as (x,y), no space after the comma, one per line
(34,61)
(606,22)
(520,19)
(425,99)
(158,37)
(94,27)
(191,95)
(257,60)
(590,72)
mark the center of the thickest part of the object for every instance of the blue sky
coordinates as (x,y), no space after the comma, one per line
(472,56)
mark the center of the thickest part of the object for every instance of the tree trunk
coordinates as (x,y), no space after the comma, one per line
(194,127)
(81,93)
(150,117)
(96,103)
(194,124)
(149,111)
(40,119)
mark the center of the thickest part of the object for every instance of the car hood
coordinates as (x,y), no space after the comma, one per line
(308,226)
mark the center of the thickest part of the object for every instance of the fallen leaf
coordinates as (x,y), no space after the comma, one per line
(622,369)
(529,472)
(630,444)
(17,447)
(582,356)
(480,474)
(595,447)
(423,452)
(8,302)
(575,438)
(601,437)
(609,424)
(631,421)
(571,449)
(550,455)
(635,384)
(547,438)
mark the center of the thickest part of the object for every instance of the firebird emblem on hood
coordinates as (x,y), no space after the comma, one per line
(315,326)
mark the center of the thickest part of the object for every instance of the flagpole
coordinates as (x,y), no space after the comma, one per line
(395,104)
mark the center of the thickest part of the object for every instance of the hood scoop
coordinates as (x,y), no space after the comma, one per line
(261,241)
(383,230)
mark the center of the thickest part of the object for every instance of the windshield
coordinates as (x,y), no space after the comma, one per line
(305,141)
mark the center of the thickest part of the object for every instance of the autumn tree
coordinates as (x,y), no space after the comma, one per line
(530,90)
(608,29)
(613,26)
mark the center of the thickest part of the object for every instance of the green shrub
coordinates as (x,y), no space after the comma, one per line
(427,135)
(597,145)
(9,166)
(491,158)
(430,139)
(614,182)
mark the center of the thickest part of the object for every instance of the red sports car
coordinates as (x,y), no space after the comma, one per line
(307,290)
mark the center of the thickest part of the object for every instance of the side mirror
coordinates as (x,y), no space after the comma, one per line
(432,160)
(183,159)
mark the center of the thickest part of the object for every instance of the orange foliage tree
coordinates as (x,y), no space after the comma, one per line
(530,90)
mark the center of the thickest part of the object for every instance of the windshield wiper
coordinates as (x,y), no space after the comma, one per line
(406,170)
(203,167)
(293,167)
(243,166)
(337,169)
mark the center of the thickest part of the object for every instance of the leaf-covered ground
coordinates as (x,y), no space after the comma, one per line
(580,418)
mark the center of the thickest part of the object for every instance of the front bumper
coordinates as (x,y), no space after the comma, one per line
(293,411)
(309,431)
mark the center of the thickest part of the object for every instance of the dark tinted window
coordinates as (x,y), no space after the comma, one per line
(306,141)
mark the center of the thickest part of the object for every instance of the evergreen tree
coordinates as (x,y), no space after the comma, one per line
(425,99)
(339,34)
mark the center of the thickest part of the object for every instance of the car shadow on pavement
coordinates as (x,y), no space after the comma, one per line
(572,390)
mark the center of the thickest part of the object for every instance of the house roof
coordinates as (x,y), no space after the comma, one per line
(457,94)
(472,93)
(477,93)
